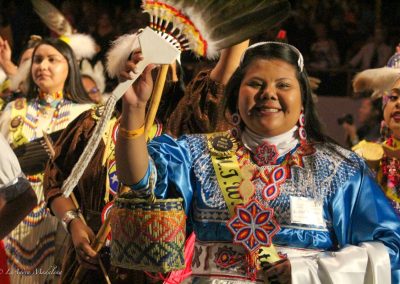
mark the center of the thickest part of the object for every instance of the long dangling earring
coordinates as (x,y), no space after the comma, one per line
(302,130)
(236,120)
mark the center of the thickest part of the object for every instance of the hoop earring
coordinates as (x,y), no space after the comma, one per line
(302,130)
(236,120)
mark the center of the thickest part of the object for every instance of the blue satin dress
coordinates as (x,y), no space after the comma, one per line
(354,208)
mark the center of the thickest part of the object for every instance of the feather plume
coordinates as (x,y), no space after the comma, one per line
(83,45)
(119,52)
(378,80)
(21,77)
(206,27)
(96,73)
(52,17)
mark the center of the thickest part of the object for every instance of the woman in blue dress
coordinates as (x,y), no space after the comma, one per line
(273,199)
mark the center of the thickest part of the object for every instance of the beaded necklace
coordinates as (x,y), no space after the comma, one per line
(41,107)
(267,178)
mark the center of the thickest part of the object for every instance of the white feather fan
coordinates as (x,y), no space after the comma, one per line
(119,52)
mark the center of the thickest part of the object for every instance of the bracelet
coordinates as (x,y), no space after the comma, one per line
(130,134)
(68,217)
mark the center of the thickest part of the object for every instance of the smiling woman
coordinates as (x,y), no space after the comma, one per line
(275,178)
(55,97)
(270,97)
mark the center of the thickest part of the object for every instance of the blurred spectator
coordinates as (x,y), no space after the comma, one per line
(299,32)
(373,54)
(86,17)
(369,118)
(324,54)
(104,34)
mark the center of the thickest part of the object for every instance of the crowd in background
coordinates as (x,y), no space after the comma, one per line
(330,34)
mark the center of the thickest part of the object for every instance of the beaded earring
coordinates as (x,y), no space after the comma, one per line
(302,130)
(236,120)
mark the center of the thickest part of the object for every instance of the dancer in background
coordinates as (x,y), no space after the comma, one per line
(55,97)
(384,158)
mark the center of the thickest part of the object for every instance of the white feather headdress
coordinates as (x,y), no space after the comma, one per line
(377,80)
(96,73)
(83,45)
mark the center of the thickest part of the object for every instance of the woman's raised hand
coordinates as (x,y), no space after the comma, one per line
(5,52)
(5,58)
(140,93)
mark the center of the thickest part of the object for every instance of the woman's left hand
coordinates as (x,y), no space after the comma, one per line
(278,272)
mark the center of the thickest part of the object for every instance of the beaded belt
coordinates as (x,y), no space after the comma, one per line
(227,261)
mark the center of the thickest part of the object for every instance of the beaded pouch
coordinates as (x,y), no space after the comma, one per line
(147,235)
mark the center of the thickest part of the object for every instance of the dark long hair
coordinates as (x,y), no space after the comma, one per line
(289,54)
(73,88)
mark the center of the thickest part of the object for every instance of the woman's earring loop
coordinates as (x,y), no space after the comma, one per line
(236,121)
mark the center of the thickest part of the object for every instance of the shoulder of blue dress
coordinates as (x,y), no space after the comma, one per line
(339,156)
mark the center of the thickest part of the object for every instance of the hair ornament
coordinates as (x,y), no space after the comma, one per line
(300,61)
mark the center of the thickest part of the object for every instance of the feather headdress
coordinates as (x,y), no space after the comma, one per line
(205,27)
(83,45)
(378,80)
(202,27)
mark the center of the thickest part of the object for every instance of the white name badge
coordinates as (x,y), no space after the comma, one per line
(306,211)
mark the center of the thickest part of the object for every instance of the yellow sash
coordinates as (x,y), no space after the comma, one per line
(226,167)
(222,147)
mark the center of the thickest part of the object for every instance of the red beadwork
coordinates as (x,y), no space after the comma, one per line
(253,226)
(266,154)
